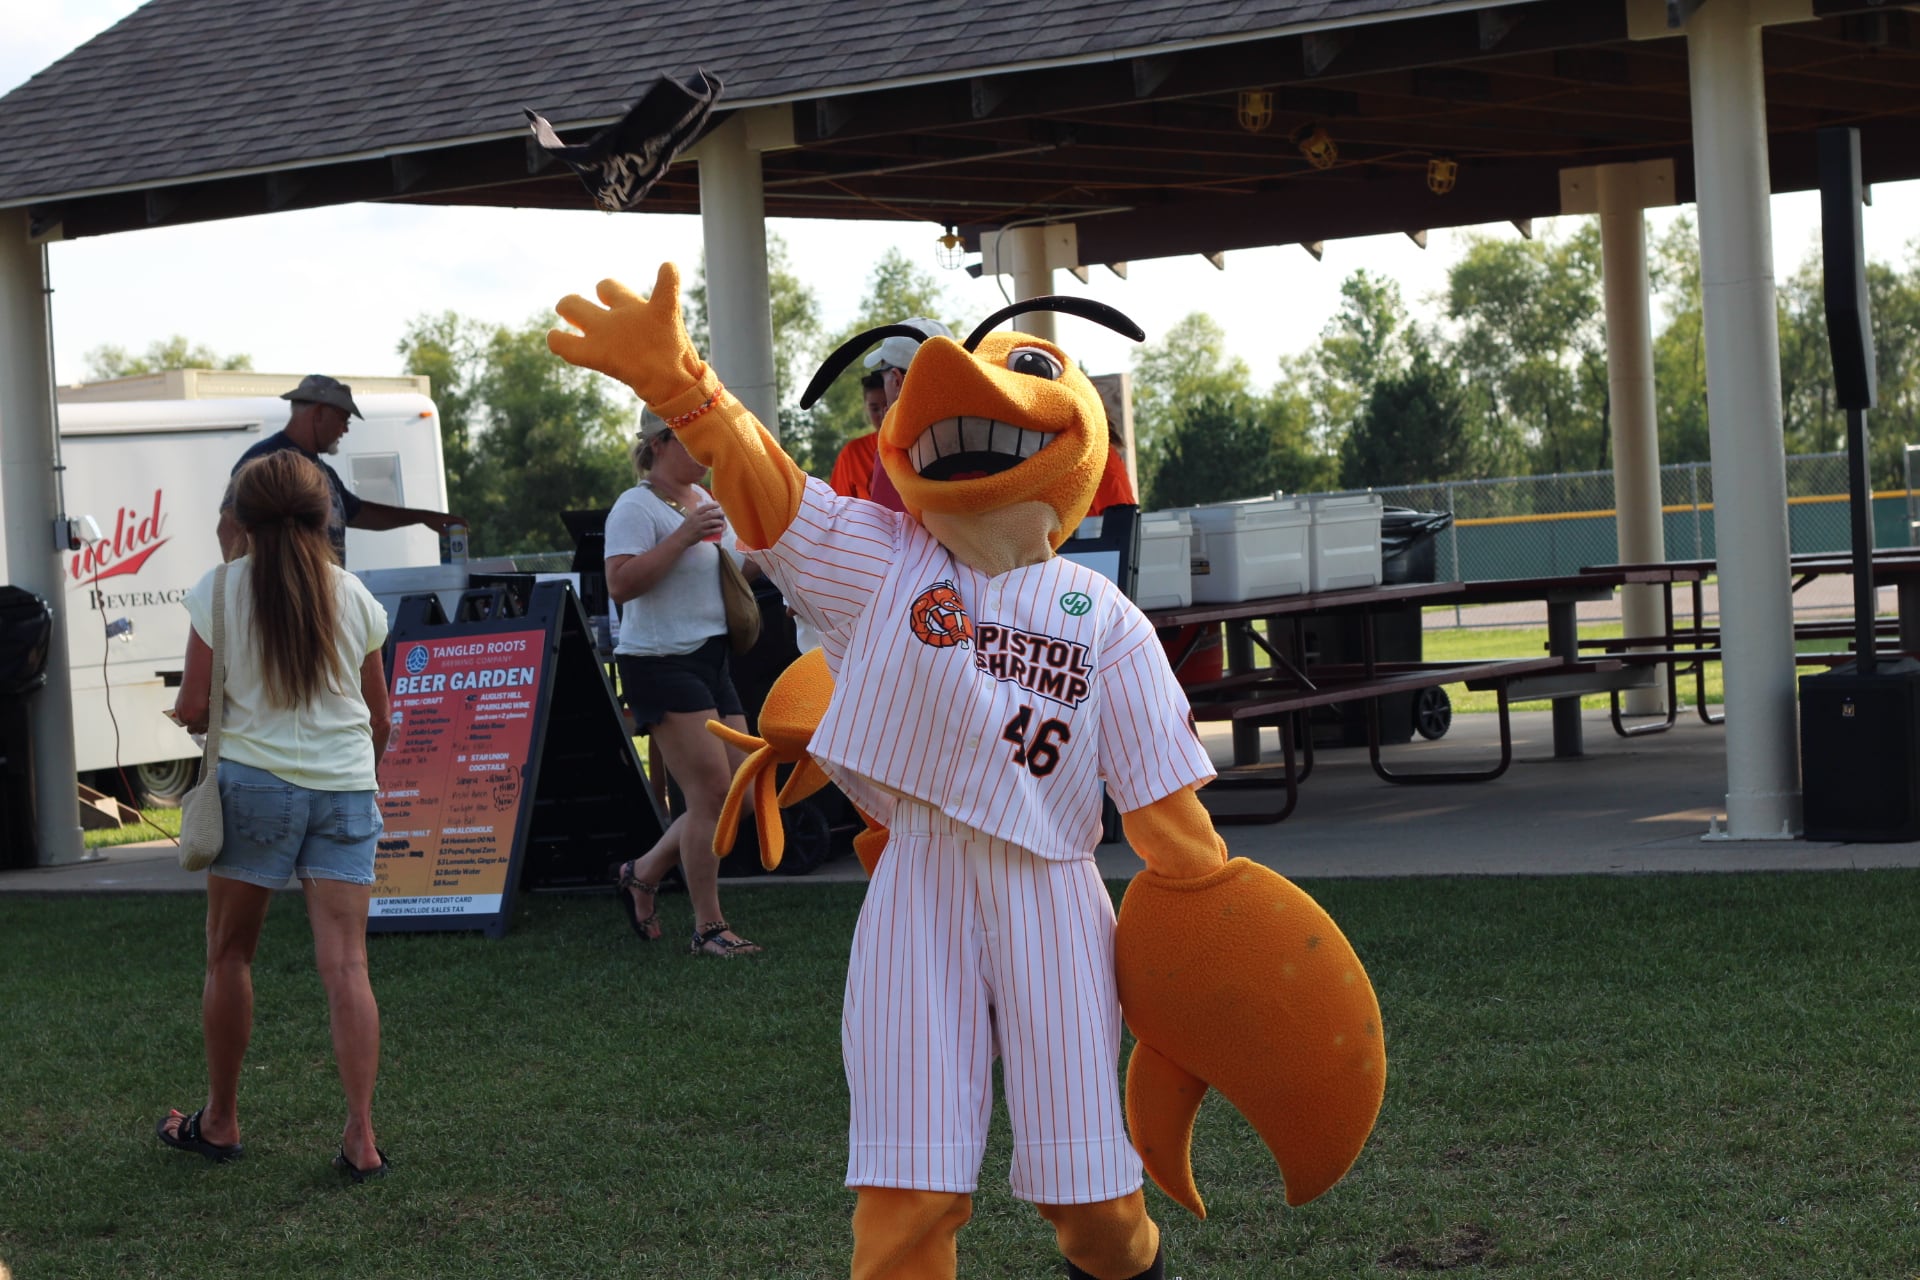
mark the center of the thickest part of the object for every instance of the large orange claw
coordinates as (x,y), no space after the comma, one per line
(640,341)
(1239,981)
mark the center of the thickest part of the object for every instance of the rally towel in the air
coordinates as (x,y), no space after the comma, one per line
(620,164)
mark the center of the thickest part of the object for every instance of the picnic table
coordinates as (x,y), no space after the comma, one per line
(1280,694)
(1690,649)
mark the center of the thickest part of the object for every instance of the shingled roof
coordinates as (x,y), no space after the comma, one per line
(188,89)
(1124,117)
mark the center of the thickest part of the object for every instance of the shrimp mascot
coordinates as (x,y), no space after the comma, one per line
(972,693)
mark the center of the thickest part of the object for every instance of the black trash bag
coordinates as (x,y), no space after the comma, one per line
(1407,543)
(26,634)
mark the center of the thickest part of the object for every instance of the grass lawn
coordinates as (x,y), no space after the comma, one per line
(159,824)
(1686,1076)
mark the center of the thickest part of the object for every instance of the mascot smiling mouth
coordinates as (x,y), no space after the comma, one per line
(966,448)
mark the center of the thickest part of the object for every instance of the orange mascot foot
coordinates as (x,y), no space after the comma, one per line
(907,1235)
(1107,1240)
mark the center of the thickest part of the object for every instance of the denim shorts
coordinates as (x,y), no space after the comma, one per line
(274,830)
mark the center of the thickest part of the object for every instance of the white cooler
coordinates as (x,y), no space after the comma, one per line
(1249,550)
(1164,579)
(1346,541)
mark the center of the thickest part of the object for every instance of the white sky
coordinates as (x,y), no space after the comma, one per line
(333,289)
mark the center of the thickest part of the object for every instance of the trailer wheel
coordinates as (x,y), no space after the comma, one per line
(165,783)
(1432,713)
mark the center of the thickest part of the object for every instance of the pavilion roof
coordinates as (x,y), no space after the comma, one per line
(1120,115)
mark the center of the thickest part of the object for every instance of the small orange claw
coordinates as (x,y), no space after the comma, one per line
(788,717)
(1240,982)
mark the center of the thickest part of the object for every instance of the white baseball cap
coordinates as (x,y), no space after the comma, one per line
(896,351)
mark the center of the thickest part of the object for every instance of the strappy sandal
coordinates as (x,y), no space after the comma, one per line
(647,926)
(708,942)
(186,1137)
(355,1173)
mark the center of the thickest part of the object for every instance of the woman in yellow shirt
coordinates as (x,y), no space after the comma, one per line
(303,726)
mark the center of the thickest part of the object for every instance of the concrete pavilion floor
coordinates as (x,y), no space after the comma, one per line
(1627,807)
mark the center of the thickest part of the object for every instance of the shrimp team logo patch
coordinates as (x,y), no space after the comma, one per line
(939,619)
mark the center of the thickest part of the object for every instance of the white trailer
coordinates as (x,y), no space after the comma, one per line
(148,458)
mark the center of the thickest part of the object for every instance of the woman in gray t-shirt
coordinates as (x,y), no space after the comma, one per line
(664,537)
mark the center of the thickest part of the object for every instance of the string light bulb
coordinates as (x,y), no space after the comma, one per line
(1441,172)
(1255,109)
(951,250)
(1317,146)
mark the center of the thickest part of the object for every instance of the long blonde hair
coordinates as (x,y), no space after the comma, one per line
(283,502)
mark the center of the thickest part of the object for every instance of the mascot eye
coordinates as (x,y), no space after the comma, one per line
(1035,362)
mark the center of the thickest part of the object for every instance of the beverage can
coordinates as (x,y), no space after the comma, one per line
(453,543)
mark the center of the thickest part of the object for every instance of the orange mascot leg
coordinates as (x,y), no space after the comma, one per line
(1107,1240)
(907,1235)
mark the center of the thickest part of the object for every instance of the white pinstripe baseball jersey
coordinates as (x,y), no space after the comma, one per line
(999,701)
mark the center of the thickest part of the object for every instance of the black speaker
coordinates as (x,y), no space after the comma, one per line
(1844,257)
(1860,753)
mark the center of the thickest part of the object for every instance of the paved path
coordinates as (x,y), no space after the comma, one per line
(1628,807)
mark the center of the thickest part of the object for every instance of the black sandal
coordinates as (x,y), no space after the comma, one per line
(355,1172)
(647,926)
(186,1137)
(708,942)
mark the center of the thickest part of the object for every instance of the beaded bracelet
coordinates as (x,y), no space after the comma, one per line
(682,419)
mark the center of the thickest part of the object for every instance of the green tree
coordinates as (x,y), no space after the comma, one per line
(1364,341)
(795,314)
(1411,430)
(1235,444)
(108,361)
(535,436)
(1532,345)
(896,290)
(1813,421)
(1173,376)
(1680,346)
(451,351)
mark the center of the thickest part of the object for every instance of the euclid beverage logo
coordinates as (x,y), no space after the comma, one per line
(134,539)
(135,535)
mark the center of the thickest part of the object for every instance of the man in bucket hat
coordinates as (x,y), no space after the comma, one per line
(321,409)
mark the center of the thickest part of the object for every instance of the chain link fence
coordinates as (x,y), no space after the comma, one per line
(1547,526)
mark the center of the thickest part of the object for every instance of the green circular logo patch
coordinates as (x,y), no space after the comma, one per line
(1076,603)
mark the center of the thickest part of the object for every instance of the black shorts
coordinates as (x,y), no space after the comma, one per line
(696,681)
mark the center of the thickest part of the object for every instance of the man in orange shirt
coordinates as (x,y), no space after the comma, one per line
(859,457)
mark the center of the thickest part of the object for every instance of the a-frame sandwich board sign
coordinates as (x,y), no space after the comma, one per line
(510,764)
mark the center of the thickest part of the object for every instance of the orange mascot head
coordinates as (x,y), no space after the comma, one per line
(1001,419)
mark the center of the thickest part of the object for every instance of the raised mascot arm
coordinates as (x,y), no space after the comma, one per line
(643,343)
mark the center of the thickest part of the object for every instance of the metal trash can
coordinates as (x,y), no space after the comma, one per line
(26,634)
(1408,543)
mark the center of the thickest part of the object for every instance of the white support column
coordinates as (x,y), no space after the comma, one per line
(1030,255)
(1743,397)
(733,219)
(29,504)
(1032,277)
(1639,523)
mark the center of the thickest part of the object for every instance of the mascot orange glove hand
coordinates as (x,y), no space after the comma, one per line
(1232,978)
(641,341)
